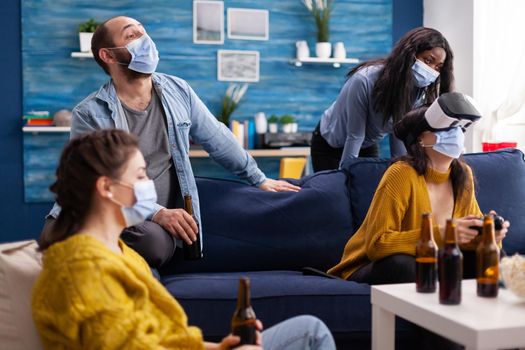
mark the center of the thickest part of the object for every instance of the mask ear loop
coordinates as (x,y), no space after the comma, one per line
(423,145)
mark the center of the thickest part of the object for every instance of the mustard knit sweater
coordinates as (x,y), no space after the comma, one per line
(89,297)
(392,224)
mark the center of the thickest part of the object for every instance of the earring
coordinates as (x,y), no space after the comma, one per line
(110,195)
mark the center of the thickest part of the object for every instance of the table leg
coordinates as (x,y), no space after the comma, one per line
(383,329)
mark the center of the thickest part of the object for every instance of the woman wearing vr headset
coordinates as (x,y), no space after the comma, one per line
(431,178)
(377,94)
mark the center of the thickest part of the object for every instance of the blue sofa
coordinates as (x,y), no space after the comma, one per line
(271,236)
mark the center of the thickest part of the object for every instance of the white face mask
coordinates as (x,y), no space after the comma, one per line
(450,142)
(146,197)
(423,74)
(144,55)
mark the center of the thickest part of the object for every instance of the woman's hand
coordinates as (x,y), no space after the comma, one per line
(466,234)
(230,341)
(503,232)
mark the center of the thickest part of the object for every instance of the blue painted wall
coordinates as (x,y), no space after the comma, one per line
(53,80)
(20,220)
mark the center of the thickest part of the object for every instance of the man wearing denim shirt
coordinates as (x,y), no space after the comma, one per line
(164,112)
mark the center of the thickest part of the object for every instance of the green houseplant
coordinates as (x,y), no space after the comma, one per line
(231,101)
(288,123)
(85,33)
(320,11)
(273,124)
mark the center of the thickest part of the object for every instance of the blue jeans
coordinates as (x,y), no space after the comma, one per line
(298,333)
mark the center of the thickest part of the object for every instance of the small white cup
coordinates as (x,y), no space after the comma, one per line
(339,50)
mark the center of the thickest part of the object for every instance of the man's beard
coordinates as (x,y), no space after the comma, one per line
(124,59)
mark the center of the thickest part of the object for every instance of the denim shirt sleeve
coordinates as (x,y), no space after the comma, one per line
(355,106)
(220,143)
(80,124)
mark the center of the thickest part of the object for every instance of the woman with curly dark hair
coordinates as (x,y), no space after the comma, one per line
(378,93)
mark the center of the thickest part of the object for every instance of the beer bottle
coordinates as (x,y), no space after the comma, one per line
(487,260)
(450,260)
(243,320)
(193,251)
(426,257)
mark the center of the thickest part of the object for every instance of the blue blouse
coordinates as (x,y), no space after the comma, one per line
(352,121)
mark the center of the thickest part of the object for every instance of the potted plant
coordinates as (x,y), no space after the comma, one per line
(273,124)
(231,101)
(320,10)
(288,123)
(85,33)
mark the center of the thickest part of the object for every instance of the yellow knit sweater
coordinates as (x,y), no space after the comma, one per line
(392,224)
(89,297)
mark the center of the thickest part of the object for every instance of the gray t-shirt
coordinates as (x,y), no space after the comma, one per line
(151,128)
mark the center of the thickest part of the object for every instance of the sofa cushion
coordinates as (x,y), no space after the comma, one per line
(20,265)
(209,299)
(246,229)
(500,185)
(364,175)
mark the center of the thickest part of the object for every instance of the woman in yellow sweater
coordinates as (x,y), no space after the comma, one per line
(96,293)
(431,178)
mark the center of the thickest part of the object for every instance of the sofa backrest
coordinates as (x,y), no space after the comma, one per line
(246,229)
(20,265)
(500,185)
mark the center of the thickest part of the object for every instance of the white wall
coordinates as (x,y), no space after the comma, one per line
(487,41)
(455,20)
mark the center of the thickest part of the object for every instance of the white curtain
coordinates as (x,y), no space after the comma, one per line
(499,69)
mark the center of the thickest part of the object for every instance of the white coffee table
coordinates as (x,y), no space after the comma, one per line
(477,323)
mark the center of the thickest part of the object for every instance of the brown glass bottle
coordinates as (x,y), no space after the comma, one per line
(426,257)
(450,260)
(193,251)
(487,260)
(243,320)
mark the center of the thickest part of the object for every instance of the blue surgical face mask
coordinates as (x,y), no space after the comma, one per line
(144,55)
(146,197)
(423,74)
(450,142)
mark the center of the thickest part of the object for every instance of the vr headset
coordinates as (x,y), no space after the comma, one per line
(450,110)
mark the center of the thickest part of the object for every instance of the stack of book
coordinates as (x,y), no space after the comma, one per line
(244,131)
(38,118)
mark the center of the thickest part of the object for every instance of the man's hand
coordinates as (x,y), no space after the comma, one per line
(179,223)
(271,185)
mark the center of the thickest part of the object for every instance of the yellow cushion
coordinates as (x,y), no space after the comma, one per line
(292,168)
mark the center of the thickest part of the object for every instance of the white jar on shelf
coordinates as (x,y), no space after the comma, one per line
(302,50)
(323,49)
(339,50)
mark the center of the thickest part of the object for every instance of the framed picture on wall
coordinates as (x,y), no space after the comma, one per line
(248,24)
(238,65)
(208,22)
